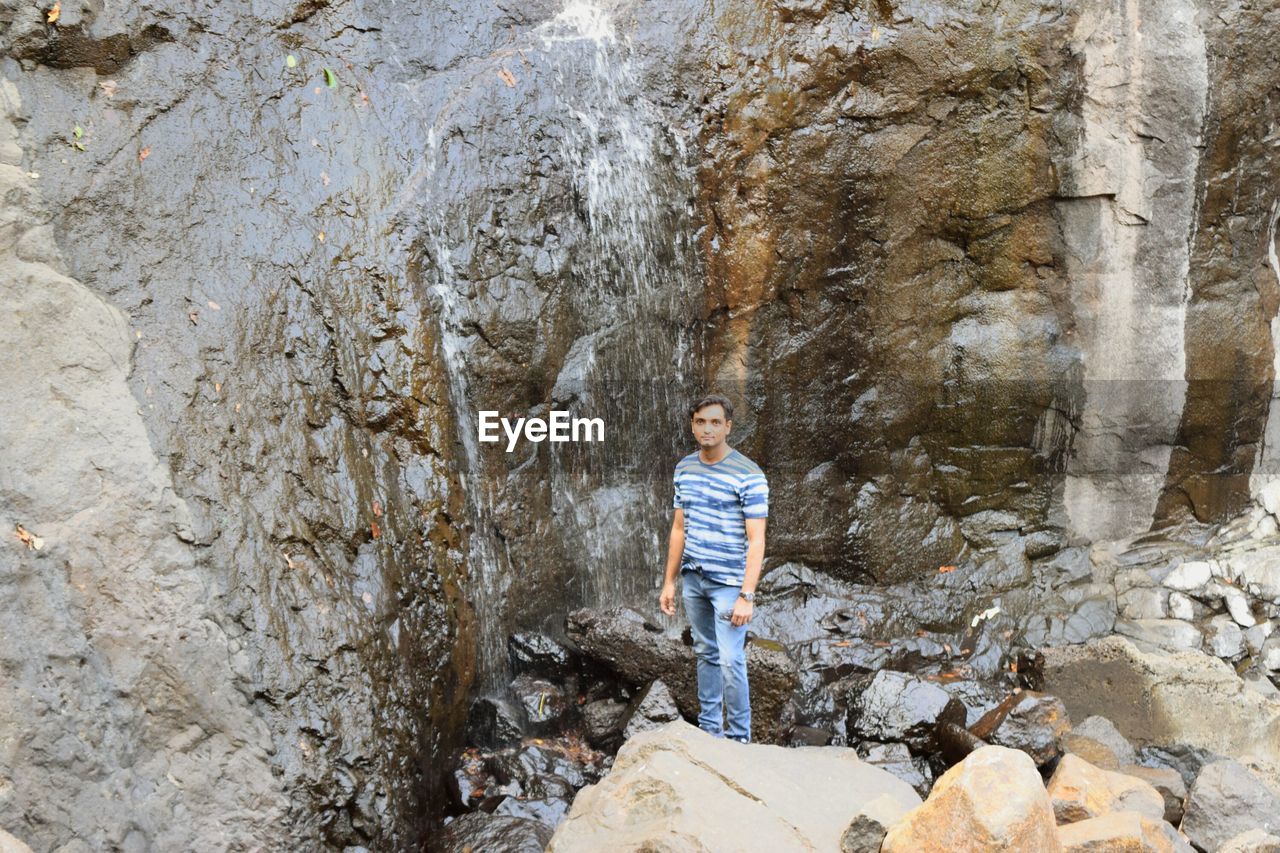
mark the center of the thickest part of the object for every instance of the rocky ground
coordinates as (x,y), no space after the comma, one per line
(1084,670)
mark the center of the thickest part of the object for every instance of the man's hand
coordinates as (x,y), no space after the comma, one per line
(741,612)
(667,601)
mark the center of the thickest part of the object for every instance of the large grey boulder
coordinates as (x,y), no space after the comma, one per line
(679,788)
(1160,697)
(1225,801)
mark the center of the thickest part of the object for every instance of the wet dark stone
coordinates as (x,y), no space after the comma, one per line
(544,703)
(494,722)
(538,654)
(897,759)
(898,706)
(653,707)
(1030,721)
(469,780)
(546,810)
(602,723)
(479,831)
(809,736)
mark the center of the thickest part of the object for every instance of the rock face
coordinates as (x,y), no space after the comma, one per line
(993,800)
(955,263)
(679,788)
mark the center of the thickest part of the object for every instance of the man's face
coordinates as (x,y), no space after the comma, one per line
(710,426)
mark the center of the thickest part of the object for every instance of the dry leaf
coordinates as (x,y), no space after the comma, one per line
(144,153)
(290,563)
(946,647)
(945,569)
(217,387)
(320,236)
(109,88)
(377,509)
(844,644)
(237,407)
(33,542)
(194,316)
(214,305)
(1013,666)
(54,13)
(376,530)
(507,77)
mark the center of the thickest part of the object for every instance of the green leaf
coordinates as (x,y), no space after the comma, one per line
(79,145)
(78,132)
(291,61)
(330,78)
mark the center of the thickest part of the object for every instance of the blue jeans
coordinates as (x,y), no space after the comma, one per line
(722,656)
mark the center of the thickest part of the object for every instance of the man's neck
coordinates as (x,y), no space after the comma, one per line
(714,455)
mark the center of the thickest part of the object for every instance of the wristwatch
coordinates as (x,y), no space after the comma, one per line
(749,596)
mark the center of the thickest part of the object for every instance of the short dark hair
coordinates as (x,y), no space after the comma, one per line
(712,400)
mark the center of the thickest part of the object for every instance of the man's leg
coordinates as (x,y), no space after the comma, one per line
(732,643)
(702,624)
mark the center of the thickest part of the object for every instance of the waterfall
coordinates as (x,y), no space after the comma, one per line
(615,279)
(633,283)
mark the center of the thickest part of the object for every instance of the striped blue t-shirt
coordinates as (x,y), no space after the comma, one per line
(717,499)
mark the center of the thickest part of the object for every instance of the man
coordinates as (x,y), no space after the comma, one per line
(717,542)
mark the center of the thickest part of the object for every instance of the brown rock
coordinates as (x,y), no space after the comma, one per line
(1080,791)
(1168,782)
(993,800)
(1121,832)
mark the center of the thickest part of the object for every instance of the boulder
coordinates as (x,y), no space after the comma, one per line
(493,722)
(1226,800)
(1168,782)
(640,653)
(652,708)
(1251,841)
(538,654)
(482,831)
(10,844)
(1100,743)
(897,759)
(866,832)
(1121,831)
(1080,791)
(1160,698)
(544,703)
(602,723)
(1027,720)
(1171,634)
(993,800)
(679,788)
(1223,637)
(897,706)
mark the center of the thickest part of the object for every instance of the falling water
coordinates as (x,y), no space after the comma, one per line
(629,278)
(633,365)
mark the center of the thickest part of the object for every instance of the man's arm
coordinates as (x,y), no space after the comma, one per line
(742,609)
(675,549)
